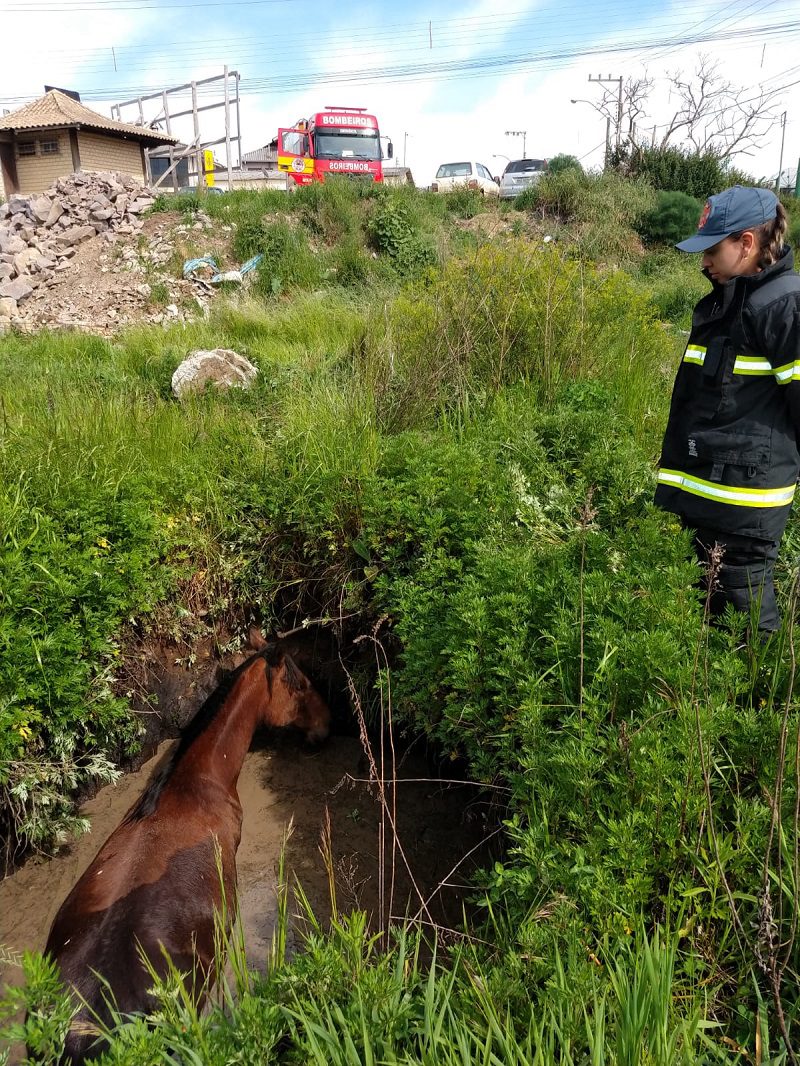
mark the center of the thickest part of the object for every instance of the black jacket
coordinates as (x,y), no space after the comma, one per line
(730,457)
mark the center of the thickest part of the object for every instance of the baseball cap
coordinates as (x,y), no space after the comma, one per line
(737,208)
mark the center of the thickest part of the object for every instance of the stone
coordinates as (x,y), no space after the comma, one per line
(18,204)
(140,204)
(8,307)
(6,271)
(18,289)
(24,259)
(220,367)
(54,214)
(74,235)
(41,208)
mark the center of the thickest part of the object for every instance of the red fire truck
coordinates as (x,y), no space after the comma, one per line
(338,140)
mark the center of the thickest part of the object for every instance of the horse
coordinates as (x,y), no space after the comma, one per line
(156,883)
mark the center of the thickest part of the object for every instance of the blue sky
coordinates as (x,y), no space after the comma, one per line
(446,81)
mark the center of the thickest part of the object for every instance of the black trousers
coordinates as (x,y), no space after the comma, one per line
(744,574)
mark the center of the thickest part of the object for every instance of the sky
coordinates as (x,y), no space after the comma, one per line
(483,80)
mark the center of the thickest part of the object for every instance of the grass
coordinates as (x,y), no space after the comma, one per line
(462,458)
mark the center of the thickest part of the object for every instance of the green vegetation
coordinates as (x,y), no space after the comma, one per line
(563,162)
(674,216)
(675,170)
(455,437)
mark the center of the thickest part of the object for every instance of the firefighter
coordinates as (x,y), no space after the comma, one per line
(730,460)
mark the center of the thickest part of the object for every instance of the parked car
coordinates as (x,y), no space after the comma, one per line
(519,175)
(469,175)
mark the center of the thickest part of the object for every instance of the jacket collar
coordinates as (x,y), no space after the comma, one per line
(722,295)
(784,265)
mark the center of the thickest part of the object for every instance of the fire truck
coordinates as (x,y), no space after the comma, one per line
(338,140)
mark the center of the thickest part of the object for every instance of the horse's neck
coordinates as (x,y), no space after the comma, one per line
(220,749)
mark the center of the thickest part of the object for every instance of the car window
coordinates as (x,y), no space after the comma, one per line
(525,166)
(454,170)
(484,173)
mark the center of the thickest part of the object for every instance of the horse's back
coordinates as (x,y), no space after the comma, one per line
(151,890)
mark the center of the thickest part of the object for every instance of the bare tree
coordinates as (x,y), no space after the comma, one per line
(714,115)
(635,92)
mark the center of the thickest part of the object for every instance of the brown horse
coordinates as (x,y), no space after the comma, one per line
(155,885)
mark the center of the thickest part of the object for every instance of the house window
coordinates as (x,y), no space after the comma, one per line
(49,147)
(26,148)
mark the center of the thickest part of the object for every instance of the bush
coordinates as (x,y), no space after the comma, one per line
(394,233)
(288,260)
(508,314)
(673,282)
(463,202)
(674,170)
(593,198)
(563,162)
(672,219)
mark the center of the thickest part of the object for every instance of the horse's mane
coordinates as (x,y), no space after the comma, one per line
(148,801)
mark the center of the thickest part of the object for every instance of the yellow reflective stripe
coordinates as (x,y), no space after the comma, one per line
(752,365)
(694,354)
(786,373)
(712,490)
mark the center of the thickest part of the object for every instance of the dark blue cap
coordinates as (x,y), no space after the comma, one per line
(735,209)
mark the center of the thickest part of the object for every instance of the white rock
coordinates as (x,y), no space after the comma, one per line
(219,366)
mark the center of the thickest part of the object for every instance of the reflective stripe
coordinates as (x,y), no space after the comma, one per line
(752,365)
(786,373)
(694,354)
(712,490)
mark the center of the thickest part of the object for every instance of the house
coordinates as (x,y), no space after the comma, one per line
(262,159)
(56,135)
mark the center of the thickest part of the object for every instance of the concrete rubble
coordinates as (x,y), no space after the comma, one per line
(39,234)
(220,367)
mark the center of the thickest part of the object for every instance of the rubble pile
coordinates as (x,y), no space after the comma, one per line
(40,234)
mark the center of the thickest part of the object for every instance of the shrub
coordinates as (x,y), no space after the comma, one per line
(350,263)
(574,196)
(506,314)
(463,202)
(288,260)
(563,162)
(674,169)
(793,233)
(673,282)
(393,232)
(672,219)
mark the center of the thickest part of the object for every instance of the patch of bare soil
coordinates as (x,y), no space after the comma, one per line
(130,280)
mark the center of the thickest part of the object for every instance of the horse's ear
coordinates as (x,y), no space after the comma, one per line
(296,680)
(255,639)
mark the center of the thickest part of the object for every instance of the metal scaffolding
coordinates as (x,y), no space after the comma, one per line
(166,114)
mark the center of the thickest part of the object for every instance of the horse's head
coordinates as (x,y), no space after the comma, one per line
(294,700)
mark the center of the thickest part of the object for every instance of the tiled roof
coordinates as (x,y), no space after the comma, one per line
(57,109)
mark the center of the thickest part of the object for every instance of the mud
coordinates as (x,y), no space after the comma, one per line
(281,783)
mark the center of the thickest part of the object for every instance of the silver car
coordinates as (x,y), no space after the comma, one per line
(519,175)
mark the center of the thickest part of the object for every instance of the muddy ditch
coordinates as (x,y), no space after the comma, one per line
(425,870)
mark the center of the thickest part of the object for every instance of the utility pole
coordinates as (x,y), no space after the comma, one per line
(619,101)
(519,133)
(780,163)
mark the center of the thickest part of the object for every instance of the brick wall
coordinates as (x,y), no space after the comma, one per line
(110,153)
(35,173)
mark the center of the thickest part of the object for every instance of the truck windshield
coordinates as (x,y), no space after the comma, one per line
(347,144)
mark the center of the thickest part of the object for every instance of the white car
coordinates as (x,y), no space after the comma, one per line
(519,175)
(470,175)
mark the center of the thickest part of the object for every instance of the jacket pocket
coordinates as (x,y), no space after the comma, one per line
(739,458)
(715,375)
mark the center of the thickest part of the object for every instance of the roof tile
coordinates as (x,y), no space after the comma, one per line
(57,109)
